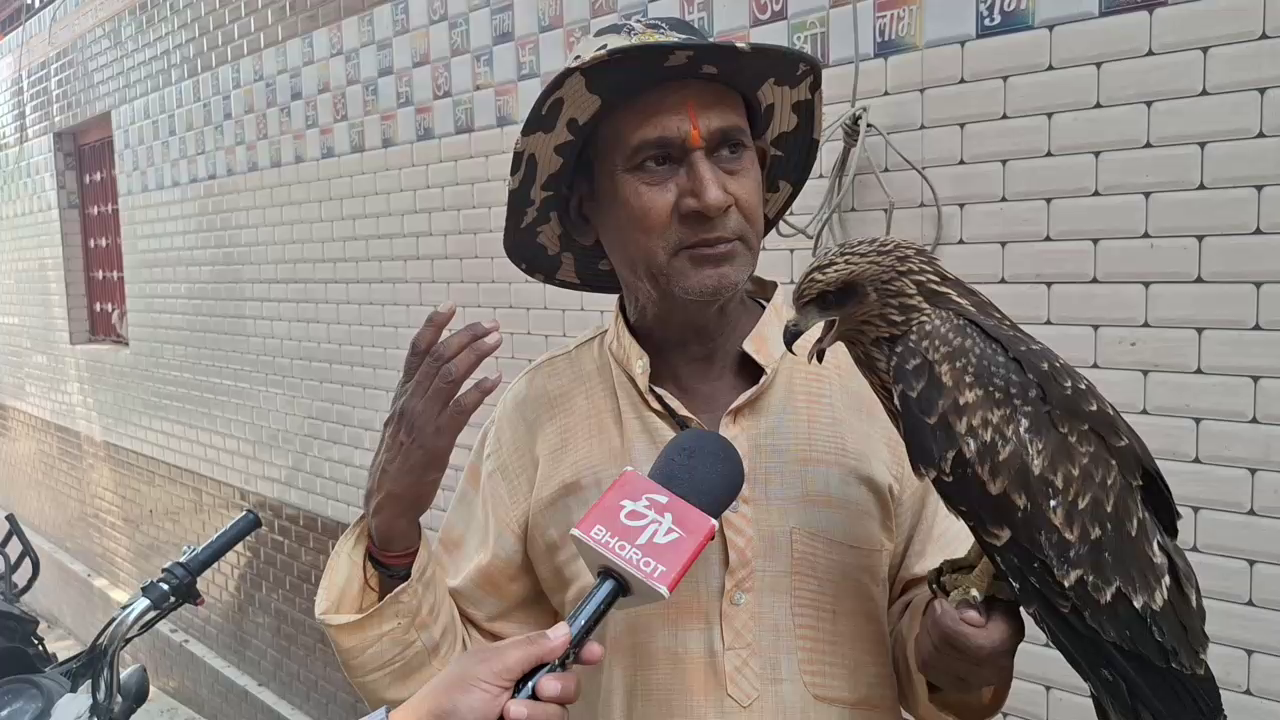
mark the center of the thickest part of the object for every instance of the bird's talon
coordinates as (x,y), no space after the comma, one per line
(963,595)
(935,583)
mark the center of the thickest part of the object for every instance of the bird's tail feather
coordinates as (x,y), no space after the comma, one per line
(1129,686)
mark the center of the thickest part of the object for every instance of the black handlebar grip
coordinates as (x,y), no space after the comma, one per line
(207,555)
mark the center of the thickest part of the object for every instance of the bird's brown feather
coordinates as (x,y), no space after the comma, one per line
(1060,491)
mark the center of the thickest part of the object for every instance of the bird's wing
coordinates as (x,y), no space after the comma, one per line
(1056,505)
(1074,401)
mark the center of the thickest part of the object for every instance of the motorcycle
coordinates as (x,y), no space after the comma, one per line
(22,649)
(58,692)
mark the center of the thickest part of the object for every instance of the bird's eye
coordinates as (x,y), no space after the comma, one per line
(833,300)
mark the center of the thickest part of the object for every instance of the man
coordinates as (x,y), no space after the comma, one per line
(478,685)
(653,166)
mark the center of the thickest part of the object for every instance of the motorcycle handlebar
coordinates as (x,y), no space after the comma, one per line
(207,555)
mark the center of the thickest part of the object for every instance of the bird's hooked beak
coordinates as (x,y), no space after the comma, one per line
(796,328)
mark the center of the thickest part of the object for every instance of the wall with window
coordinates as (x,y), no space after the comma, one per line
(298,186)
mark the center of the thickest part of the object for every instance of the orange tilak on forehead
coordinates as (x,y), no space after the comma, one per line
(695,132)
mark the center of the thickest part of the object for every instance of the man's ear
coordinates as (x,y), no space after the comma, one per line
(579,223)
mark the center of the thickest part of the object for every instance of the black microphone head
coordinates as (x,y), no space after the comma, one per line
(702,468)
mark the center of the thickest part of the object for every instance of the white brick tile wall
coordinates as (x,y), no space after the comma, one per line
(1240,352)
(1220,305)
(1006,139)
(1112,182)
(1168,438)
(1242,162)
(1051,91)
(1205,118)
(1097,304)
(1223,397)
(1207,22)
(1027,700)
(1221,577)
(974,263)
(998,222)
(1124,388)
(1269,210)
(1154,77)
(1267,400)
(925,148)
(1094,41)
(896,112)
(1269,307)
(1240,257)
(1266,501)
(1004,55)
(1175,167)
(1097,217)
(969,183)
(1113,128)
(1271,112)
(1148,259)
(1231,667)
(1148,348)
(1243,66)
(967,102)
(1054,12)
(1075,344)
(1062,176)
(1203,211)
(1024,302)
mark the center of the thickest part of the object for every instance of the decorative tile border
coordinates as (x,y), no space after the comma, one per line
(412,70)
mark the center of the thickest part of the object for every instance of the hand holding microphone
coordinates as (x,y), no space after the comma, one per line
(477,685)
(644,533)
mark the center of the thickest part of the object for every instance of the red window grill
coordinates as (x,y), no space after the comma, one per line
(100,233)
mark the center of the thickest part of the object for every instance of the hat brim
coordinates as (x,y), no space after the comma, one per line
(785,84)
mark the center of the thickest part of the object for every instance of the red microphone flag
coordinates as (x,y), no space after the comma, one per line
(646,534)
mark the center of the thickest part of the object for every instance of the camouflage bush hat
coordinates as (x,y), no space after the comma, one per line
(782,89)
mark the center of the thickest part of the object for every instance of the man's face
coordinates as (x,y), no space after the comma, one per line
(677,194)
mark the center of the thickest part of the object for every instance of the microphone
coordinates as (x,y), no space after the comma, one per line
(644,533)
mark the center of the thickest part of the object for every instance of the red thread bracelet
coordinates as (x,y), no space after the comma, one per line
(404,558)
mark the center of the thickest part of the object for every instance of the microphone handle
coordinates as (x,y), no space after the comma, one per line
(584,619)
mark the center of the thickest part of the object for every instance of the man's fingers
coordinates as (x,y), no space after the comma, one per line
(450,377)
(962,656)
(530,710)
(559,688)
(438,366)
(465,405)
(944,669)
(426,338)
(591,653)
(515,656)
(955,636)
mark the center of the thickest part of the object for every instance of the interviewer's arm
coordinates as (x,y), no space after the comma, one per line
(479,683)
(926,534)
(474,585)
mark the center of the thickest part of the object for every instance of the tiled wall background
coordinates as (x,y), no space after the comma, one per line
(301,181)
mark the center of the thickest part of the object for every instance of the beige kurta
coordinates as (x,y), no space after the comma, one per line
(804,607)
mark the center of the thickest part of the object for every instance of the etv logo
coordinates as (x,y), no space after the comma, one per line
(660,528)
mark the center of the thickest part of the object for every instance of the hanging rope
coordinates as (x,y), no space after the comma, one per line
(853,125)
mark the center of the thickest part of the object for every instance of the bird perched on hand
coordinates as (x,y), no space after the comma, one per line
(1070,514)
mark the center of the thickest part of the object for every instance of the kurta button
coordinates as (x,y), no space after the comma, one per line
(734,507)
(640,365)
(738,598)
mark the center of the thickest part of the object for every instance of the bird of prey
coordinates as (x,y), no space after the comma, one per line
(1070,514)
